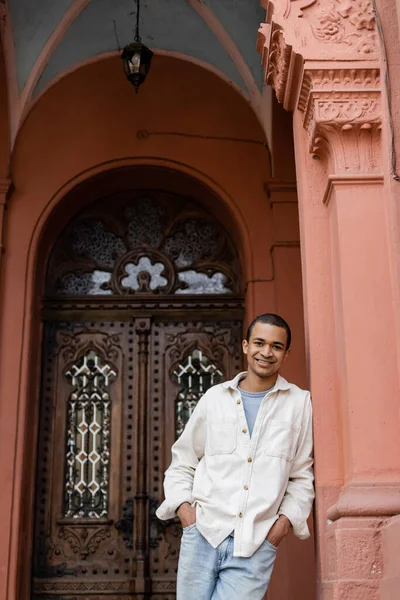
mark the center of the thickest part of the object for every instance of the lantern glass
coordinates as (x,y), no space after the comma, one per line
(136,58)
(134,63)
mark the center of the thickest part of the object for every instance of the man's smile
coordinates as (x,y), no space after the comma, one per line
(263,362)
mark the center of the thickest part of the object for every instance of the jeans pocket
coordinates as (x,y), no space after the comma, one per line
(189,528)
(275,548)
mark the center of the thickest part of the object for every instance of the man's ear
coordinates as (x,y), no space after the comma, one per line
(245,346)
(287,354)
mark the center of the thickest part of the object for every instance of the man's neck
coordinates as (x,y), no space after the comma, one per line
(252,383)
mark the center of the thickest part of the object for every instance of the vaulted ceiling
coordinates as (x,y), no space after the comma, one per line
(51,37)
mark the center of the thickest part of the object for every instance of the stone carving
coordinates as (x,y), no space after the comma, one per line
(278,64)
(342,116)
(344,21)
(279,61)
(341,105)
(300,5)
(319,30)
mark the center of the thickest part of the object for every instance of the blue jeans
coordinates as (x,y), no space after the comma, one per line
(207,573)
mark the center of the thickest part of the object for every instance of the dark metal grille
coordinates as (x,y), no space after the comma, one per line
(88,437)
(195,375)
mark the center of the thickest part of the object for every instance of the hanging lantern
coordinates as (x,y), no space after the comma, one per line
(136,57)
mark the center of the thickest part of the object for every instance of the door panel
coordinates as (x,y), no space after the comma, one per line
(172,345)
(114,397)
(86,409)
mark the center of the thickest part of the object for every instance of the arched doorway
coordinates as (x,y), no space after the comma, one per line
(142,312)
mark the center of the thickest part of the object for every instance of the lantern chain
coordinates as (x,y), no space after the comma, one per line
(137,36)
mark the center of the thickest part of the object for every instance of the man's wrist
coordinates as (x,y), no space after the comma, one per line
(286,521)
(180,506)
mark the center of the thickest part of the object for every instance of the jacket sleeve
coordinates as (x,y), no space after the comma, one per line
(299,495)
(186,454)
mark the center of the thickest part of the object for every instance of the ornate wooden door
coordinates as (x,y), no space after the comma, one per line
(115,397)
(122,372)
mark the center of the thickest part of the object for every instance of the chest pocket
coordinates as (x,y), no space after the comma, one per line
(281,439)
(221,437)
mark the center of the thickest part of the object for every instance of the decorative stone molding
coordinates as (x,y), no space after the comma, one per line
(279,62)
(360,500)
(343,117)
(348,23)
(320,56)
(329,29)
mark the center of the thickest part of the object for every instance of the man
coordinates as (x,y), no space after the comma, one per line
(241,474)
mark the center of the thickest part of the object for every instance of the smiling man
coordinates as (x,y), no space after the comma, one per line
(241,474)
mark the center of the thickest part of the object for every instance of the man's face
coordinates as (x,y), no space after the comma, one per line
(266,349)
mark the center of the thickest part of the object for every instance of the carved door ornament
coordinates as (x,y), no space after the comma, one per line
(133,244)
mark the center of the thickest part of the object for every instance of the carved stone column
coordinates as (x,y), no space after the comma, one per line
(323,60)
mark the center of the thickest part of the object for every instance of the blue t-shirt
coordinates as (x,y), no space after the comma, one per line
(251,404)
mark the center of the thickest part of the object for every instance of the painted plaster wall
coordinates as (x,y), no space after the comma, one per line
(88,123)
(172,26)
(28,20)
(166,26)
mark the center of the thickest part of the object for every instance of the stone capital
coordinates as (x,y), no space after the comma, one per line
(343,118)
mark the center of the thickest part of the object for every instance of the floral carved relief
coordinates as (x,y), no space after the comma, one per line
(348,22)
(83,541)
(322,29)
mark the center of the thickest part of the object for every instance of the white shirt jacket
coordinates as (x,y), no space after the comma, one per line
(238,483)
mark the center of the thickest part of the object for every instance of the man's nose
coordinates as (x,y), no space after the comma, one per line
(266,351)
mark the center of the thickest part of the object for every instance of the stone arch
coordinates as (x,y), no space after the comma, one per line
(122,176)
(94,188)
(80,191)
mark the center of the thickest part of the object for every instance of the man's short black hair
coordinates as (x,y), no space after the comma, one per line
(271,319)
